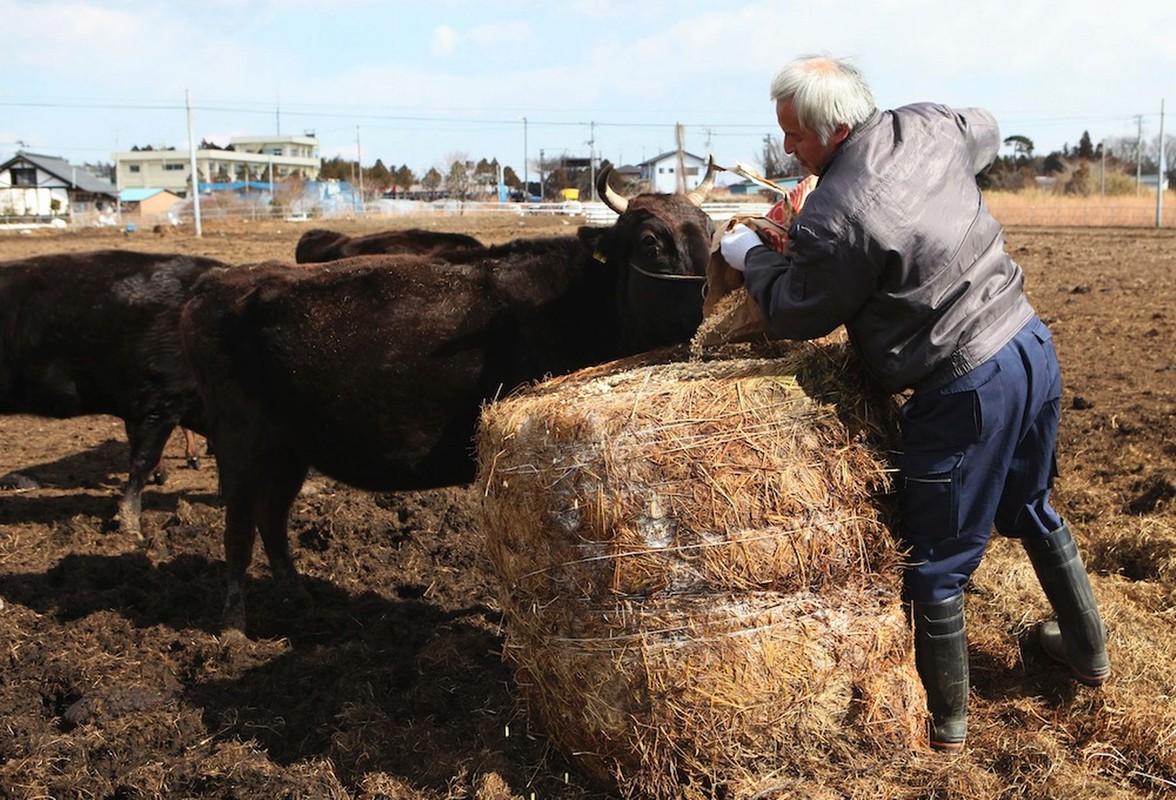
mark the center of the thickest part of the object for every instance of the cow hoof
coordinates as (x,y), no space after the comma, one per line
(18,483)
(159,477)
(234,613)
(193,463)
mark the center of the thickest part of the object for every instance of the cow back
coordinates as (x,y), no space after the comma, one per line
(374,368)
(95,333)
(319,245)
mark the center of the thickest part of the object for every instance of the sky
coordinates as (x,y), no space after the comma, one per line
(426,83)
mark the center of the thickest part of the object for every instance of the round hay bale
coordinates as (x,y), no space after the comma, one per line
(697,576)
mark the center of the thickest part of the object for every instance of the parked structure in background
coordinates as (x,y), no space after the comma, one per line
(40,189)
(246,158)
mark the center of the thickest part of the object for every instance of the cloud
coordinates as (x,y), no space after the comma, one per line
(444,41)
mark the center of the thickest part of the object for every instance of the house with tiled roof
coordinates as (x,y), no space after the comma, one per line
(40,188)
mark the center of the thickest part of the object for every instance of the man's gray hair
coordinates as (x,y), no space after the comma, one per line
(825,92)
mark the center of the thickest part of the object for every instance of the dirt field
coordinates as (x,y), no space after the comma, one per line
(116,683)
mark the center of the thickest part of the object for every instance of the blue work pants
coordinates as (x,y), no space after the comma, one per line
(977,452)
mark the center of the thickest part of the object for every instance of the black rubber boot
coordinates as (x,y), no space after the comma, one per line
(941,657)
(1078,637)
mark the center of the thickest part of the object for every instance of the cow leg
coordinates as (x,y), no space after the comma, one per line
(240,533)
(190,455)
(159,474)
(147,440)
(273,520)
(191,458)
(258,491)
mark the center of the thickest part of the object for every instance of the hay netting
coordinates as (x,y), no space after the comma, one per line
(680,477)
(698,579)
(661,694)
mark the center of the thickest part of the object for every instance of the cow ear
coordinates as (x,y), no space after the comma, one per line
(596,240)
(590,235)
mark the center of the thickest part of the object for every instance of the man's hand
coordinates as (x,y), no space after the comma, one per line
(735,245)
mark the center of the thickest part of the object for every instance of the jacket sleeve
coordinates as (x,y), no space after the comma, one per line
(807,295)
(983,137)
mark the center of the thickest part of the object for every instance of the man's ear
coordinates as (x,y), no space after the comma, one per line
(840,133)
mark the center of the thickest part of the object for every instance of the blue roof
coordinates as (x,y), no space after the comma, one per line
(138,195)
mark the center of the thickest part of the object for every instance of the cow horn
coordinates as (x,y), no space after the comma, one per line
(617,202)
(703,189)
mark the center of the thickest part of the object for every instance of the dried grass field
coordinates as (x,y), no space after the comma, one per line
(116,682)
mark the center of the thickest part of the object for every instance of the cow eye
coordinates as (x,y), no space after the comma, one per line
(649,242)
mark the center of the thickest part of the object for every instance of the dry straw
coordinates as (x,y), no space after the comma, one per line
(700,588)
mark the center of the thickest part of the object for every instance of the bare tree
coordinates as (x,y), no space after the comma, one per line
(458,180)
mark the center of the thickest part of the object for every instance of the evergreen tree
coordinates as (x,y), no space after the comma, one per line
(405,178)
(1085,148)
(337,169)
(378,177)
(432,180)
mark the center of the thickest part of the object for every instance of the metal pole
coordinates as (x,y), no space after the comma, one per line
(1160,173)
(359,167)
(592,161)
(1139,157)
(526,175)
(192,167)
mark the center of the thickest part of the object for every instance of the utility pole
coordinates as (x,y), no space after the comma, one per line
(592,160)
(680,167)
(1139,156)
(1160,173)
(526,177)
(359,167)
(192,167)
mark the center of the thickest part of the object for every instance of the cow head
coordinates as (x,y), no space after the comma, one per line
(660,246)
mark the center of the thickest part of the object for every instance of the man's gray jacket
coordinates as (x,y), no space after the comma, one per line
(896,244)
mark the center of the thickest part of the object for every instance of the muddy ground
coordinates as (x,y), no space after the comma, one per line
(116,681)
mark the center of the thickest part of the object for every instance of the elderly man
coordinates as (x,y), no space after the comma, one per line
(896,244)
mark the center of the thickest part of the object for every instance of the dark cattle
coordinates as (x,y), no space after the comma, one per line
(320,245)
(373,369)
(98,333)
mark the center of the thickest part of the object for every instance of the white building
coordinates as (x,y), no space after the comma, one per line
(247,158)
(40,188)
(667,174)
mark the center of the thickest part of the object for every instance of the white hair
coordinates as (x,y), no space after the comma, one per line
(825,92)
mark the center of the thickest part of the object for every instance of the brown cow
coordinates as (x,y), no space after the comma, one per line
(373,370)
(98,333)
(318,245)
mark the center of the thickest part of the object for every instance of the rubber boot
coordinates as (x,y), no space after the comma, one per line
(1078,637)
(941,657)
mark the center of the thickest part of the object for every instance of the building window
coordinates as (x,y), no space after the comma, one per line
(172,167)
(24,176)
(133,168)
